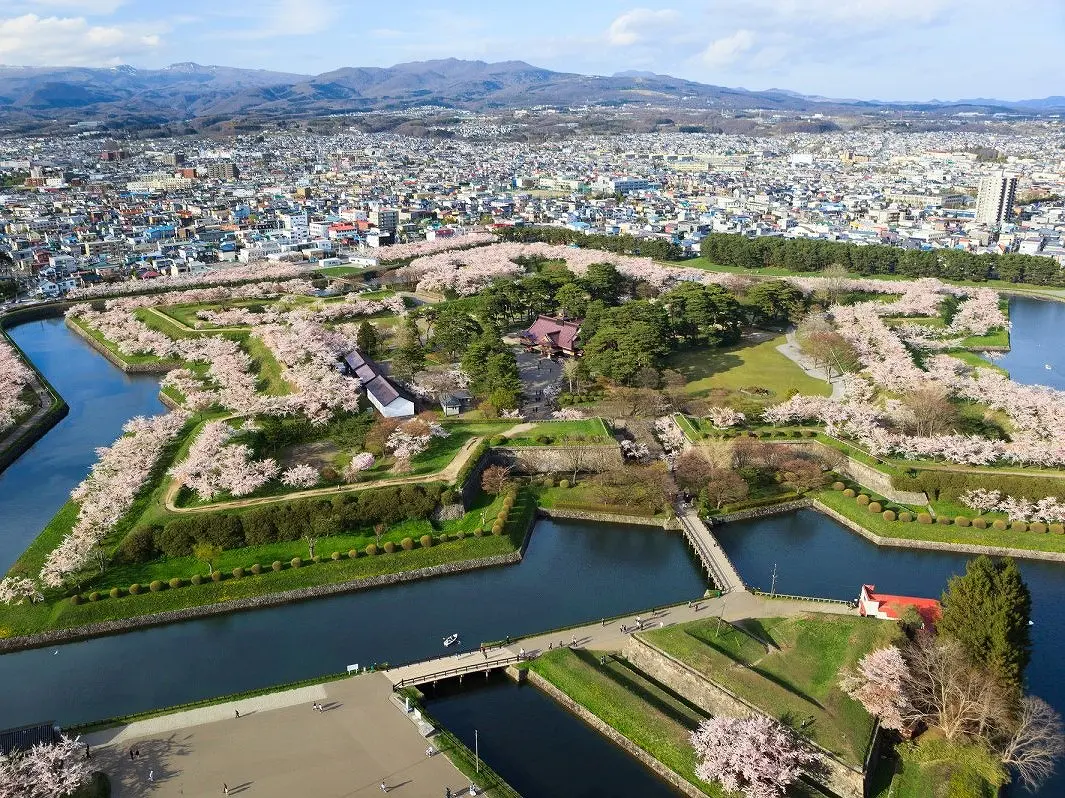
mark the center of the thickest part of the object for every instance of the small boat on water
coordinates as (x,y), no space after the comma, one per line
(450,639)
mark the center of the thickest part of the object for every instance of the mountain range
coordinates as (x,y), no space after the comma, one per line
(188,91)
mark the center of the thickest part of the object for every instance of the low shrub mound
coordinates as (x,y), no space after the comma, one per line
(238,573)
(1038,527)
(75,599)
(924,518)
(134,589)
(371,549)
(1018,526)
(216,576)
(155,585)
(94,596)
(962,520)
(256,569)
(390,547)
(115,592)
(1057,529)
(196,579)
(944,520)
(906,517)
(849,493)
(889,515)
(177,582)
(426,541)
(276,565)
(979,523)
(296,562)
(407,544)
(999,524)
(838,486)
(875,507)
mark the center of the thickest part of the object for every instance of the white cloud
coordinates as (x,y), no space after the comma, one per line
(725,51)
(70,41)
(80,6)
(640,24)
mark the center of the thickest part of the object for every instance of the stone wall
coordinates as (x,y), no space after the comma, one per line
(761,512)
(844,780)
(863,474)
(252,603)
(615,736)
(607,518)
(550,459)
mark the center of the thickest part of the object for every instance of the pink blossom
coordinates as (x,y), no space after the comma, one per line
(878,684)
(568,414)
(16,590)
(301,475)
(46,770)
(214,465)
(15,376)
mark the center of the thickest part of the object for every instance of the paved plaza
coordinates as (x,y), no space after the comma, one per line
(279,748)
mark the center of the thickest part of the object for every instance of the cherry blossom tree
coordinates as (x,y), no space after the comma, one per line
(724,417)
(46,770)
(568,414)
(15,376)
(359,463)
(981,500)
(755,756)
(16,590)
(301,475)
(878,683)
(214,465)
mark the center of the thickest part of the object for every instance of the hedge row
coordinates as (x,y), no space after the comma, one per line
(372,550)
(949,485)
(284,522)
(865,500)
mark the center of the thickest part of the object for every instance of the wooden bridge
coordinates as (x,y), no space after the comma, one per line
(717,564)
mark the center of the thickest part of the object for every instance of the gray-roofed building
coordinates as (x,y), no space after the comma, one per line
(383,395)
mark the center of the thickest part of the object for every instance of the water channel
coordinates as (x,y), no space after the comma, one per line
(571,572)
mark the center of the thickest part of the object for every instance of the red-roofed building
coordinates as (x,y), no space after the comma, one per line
(882,605)
(552,336)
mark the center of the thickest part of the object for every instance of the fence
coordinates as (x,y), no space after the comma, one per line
(479,667)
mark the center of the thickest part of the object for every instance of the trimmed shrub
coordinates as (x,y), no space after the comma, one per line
(139,545)
(944,520)
(176,582)
(478,532)
(353,555)
(905,517)
(276,565)
(371,549)
(862,499)
(216,576)
(849,493)
(426,541)
(335,556)
(563,483)
(256,569)
(94,596)
(317,558)
(156,585)
(962,520)
(75,599)
(924,518)
(888,515)
(1038,527)
(115,592)
(838,486)
(980,523)
(390,547)
(196,579)
(1018,526)
(999,524)
(1057,529)
(460,534)
(407,544)
(238,573)
(497,528)
(875,507)
(296,562)
(134,589)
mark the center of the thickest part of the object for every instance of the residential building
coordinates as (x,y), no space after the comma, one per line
(994,204)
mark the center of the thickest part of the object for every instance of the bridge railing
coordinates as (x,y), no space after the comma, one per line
(457,671)
(789,597)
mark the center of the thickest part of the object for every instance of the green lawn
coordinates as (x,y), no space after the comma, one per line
(583,497)
(271,382)
(976,361)
(745,366)
(591,430)
(795,682)
(60,614)
(1032,541)
(934,768)
(651,717)
(341,271)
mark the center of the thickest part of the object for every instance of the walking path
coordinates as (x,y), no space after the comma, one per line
(609,635)
(279,747)
(793,352)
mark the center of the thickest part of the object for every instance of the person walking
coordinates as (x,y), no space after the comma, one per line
(521,653)
(383,787)
(573,641)
(225,789)
(151,777)
(236,713)
(130,754)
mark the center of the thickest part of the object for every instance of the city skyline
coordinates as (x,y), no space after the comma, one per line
(861,50)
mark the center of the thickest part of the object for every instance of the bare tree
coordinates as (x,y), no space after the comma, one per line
(1036,742)
(692,470)
(948,691)
(802,474)
(586,458)
(835,276)
(495,478)
(927,411)
(725,486)
(571,370)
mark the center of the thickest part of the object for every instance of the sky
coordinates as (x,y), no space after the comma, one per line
(863,49)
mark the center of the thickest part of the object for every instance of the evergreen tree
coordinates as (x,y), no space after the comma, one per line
(366,339)
(987,611)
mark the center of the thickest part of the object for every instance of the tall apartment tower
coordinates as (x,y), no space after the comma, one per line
(994,203)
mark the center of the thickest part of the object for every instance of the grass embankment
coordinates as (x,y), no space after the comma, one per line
(795,679)
(939,533)
(643,712)
(934,768)
(563,433)
(584,497)
(112,348)
(973,359)
(743,368)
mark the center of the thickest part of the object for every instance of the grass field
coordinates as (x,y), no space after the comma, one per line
(976,361)
(1032,541)
(745,366)
(651,717)
(341,271)
(796,681)
(591,430)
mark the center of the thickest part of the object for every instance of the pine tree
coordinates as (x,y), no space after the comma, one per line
(987,612)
